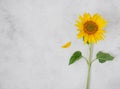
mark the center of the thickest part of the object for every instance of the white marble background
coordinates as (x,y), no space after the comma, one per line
(31,35)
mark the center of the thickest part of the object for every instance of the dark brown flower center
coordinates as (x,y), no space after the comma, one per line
(90,27)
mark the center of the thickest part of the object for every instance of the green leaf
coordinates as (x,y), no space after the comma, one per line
(103,57)
(75,57)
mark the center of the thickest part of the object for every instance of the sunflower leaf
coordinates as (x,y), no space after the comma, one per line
(77,55)
(103,57)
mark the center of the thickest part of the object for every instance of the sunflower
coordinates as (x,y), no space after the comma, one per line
(90,28)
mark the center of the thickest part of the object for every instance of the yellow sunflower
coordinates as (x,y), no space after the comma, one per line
(90,28)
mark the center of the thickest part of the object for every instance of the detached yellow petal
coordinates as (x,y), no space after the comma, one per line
(66,45)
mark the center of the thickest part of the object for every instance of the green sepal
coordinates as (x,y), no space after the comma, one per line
(77,55)
(103,57)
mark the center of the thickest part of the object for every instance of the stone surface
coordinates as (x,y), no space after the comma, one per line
(31,35)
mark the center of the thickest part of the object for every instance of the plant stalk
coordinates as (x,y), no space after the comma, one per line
(89,66)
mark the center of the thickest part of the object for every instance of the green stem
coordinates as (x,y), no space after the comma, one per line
(90,52)
(89,66)
(88,77)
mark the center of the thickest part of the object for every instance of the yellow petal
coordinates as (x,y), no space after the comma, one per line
(80,35)
(79,25)
(101,22)
(86,38)
(87,17)
(66,45)
(95,16)
(80,18)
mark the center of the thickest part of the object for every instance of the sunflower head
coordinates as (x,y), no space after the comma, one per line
(91,28)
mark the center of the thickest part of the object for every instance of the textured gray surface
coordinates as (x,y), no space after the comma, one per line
(31,35)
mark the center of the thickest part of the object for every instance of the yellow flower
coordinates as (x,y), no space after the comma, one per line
(66,45)
(90,28)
